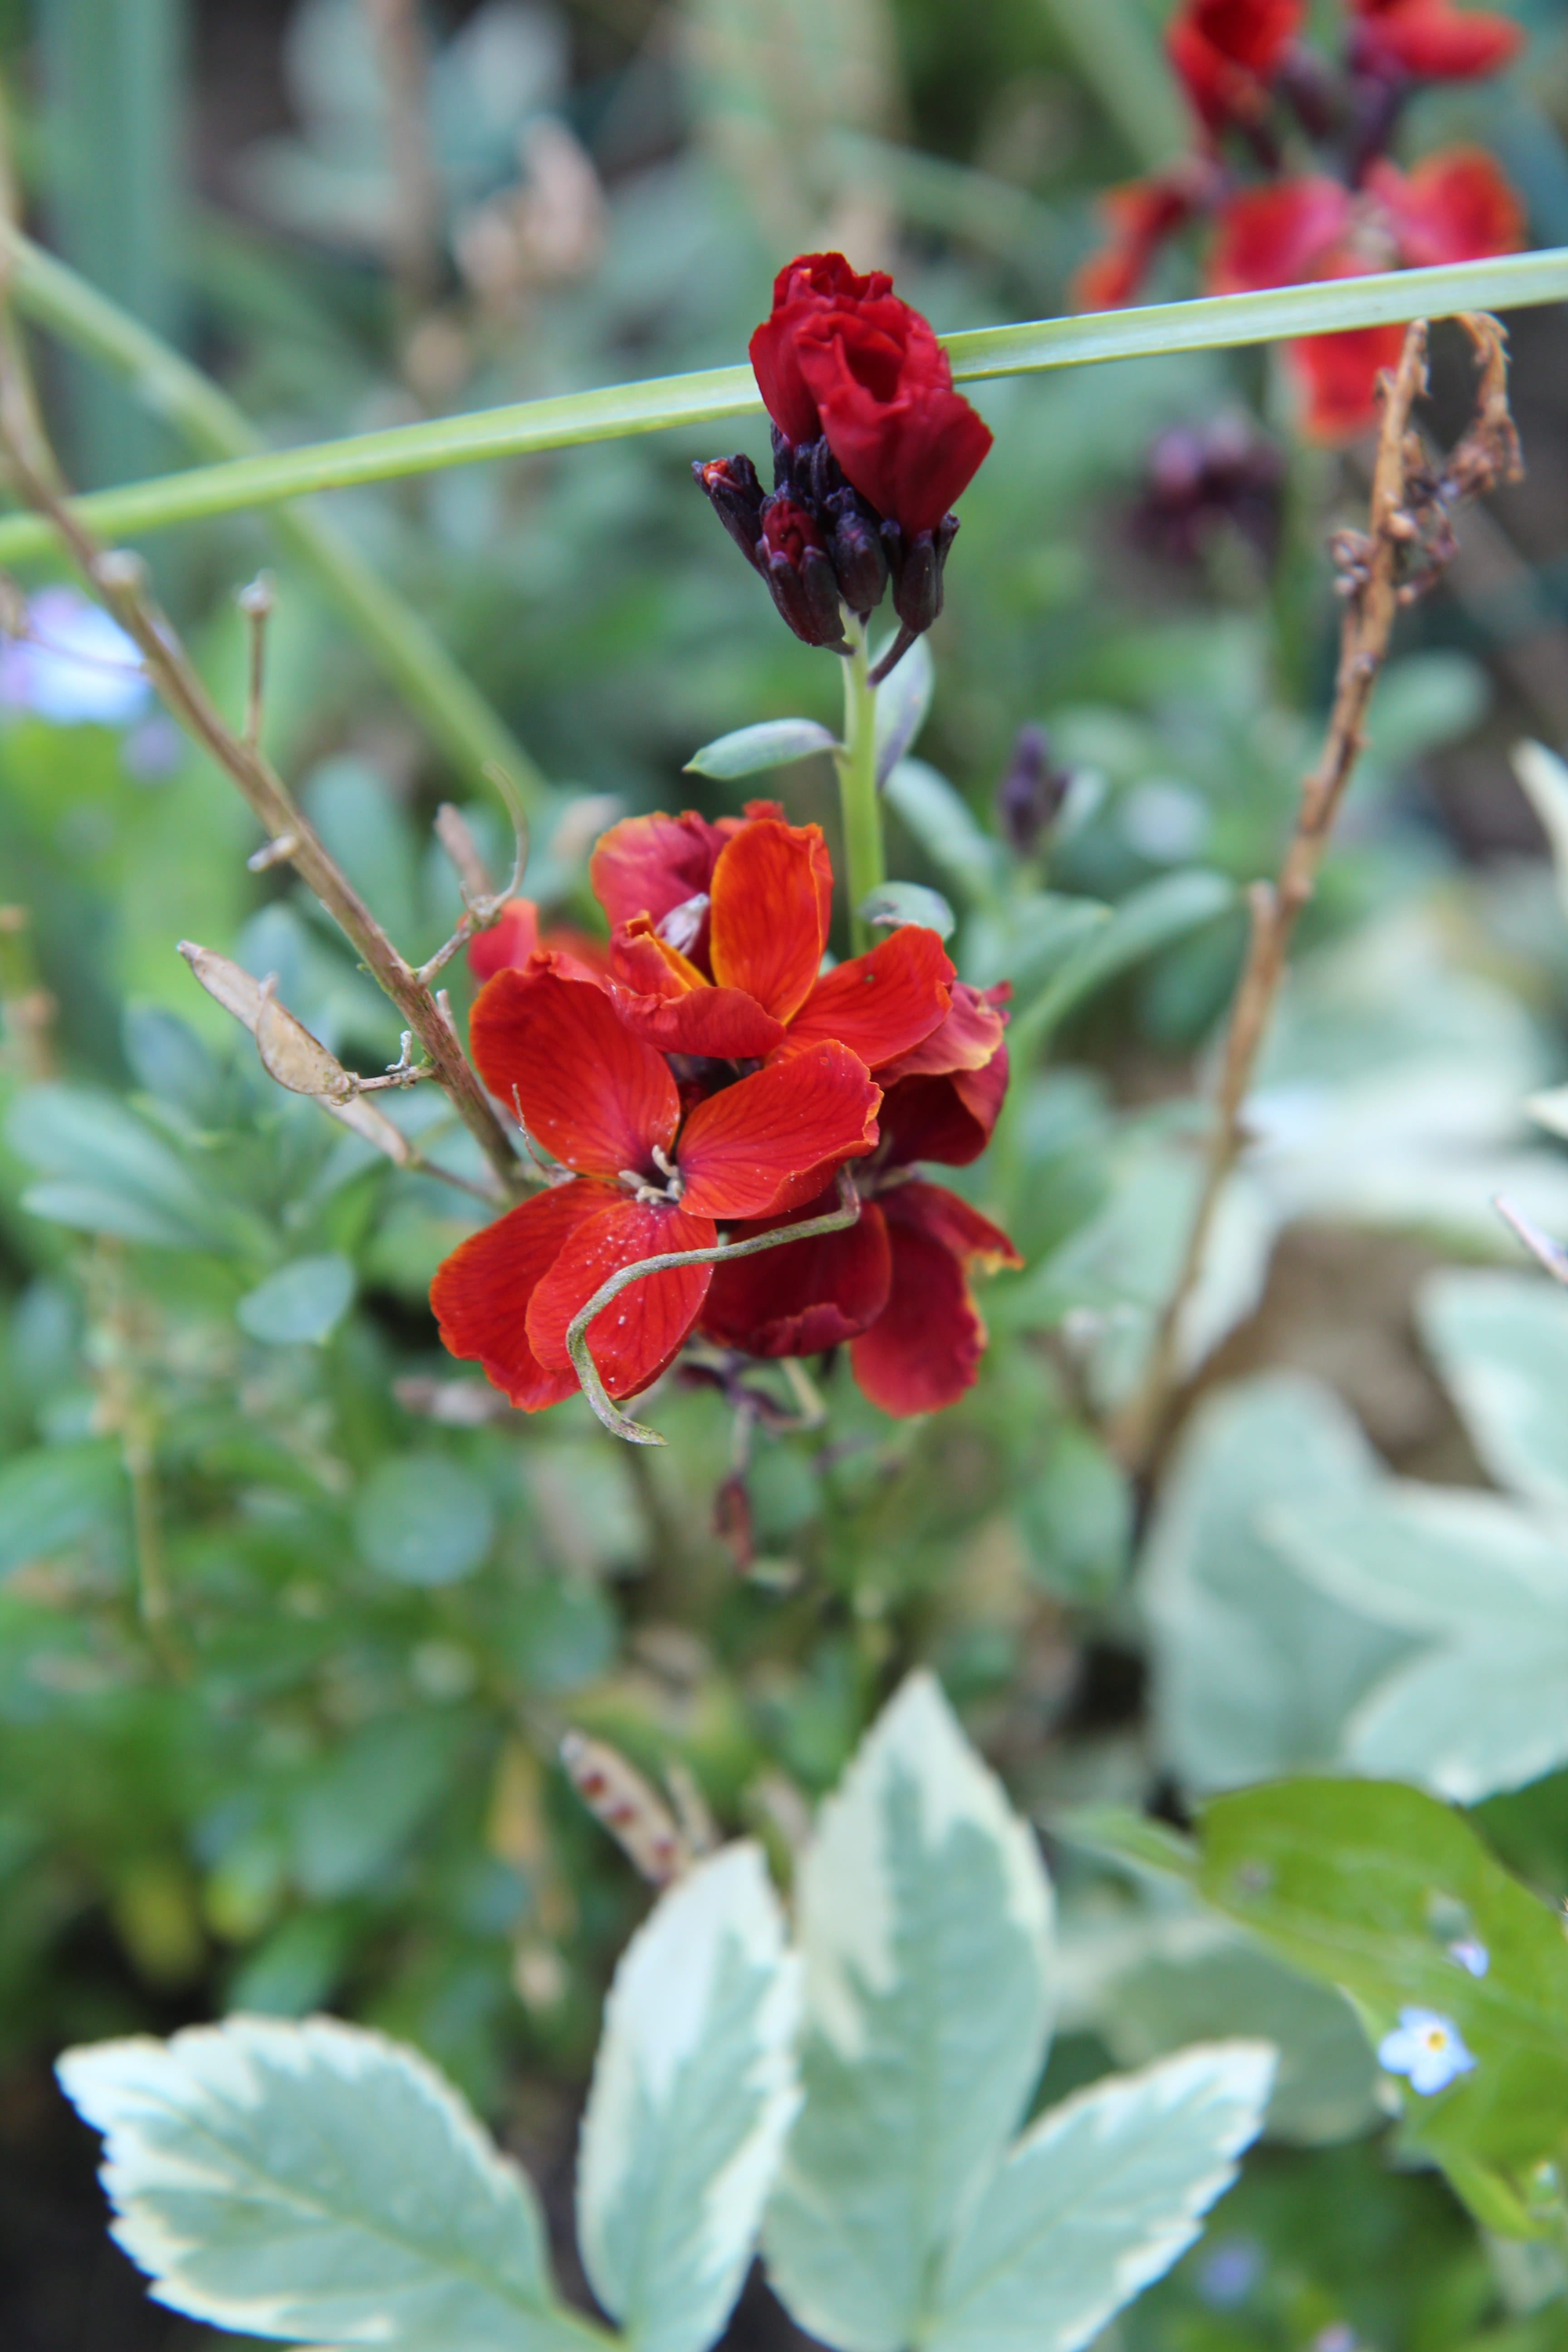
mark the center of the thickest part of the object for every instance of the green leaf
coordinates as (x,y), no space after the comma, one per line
(51,1497)
(1076,1516)
(906,902)
(694,2089)
(772,744)
(1544,778)
(302,1303)
(1149,1847)
(111,1174)
(1146,920)
(943,824)
(1482,1708)
(903,698)
(171,1061)
(1098,2199)
(1256,1669)
(1501,1344)
(924,1921)
(360,1805)
(423,1519)
(318,2183)
(1368,1885)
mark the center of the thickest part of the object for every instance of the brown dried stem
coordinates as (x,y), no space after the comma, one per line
(1408,541)
(118,579)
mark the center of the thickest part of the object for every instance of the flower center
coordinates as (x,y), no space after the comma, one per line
(664,1195)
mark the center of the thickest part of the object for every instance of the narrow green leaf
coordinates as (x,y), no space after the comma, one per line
(943,824)
(902,702)
(318,2183)
(694,2088)
(1098,2199)
(1501,1344)
(906,902)
(769,745)
(55,1495)
(1148,1846)
(570,419)
(1151,918)
(423,1519)
(301,1304)
(113,1174)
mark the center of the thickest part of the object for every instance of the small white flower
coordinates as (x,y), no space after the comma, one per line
(1427,2048)
(1471,1956)
(79,665)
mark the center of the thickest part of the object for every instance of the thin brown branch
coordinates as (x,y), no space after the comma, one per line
(119,578)
(1407,542)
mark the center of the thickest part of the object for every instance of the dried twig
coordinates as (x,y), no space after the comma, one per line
(119,578)
(1400,555)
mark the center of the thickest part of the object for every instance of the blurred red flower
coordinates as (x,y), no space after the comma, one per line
(842,356)
(1227,53)
(1431,41)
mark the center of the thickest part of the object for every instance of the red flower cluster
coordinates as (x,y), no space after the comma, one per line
(871,447)
(1239,62)
(710,1073)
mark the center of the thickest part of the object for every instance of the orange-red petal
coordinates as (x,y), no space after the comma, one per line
(807,1113)
(482,1293)
(636,1335)
(647,865)
(554,1051)
(723,1022)
(1278,235)
(805,1296)
(882,1003)
(925,1349)
(772,893)
(966,1039)
(1456,206)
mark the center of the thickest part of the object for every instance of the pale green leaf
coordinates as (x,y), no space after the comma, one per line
(906,902)
(903,698)
(422,1518)
(1544,778)
(1098,2199)
(317,2182)
(1149,918)
(55,1495)
(772,744)
(924,1916)
(694,2088)
(1501,1344)
(300,1303)
(107,1171)
(943,824)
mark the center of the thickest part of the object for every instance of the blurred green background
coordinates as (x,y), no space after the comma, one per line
(291,1619)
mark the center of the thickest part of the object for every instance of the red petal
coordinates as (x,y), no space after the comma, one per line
(803,1296)
(1435,43)
(1278,235)
(482,1293)
(647,864)
(882,1003)
(912,448)
(1456,206)
(723,1022)
(809,1112)
(949,1118)
(634,1337)
(1140,216)
(1226,51)
(925,1349)
(554,1051)
(772,893)
(1338,375)
(510,940)
(967,1039)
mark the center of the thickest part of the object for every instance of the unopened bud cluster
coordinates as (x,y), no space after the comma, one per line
(821,546)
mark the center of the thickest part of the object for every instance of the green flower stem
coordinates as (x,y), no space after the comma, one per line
(620,1424)
(864,861)
(1218,323)
(460,721)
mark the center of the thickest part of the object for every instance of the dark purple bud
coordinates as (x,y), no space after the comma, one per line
(859,557)
(784,462)
(1030,795)
(917,574)
(1313,91)
(818,471)
(736,495)
(798,569)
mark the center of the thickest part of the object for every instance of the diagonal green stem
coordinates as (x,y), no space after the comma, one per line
(620,1424)
(864,861)
(461,723)
(1216,323)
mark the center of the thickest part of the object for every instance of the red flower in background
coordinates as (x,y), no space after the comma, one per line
(1456,206)
(650,1175)
(1430,41)
(515,936)
(1227,53)
(841,355)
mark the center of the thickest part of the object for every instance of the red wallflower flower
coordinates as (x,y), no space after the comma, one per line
(1431,41)
(896,1284)
(1227,52)
(734,970)
(842,356)
(1456,206)
(515,936)
(1140,215)
(650,1175)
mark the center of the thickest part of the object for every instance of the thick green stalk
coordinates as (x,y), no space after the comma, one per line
(460,721)
(864,861)
(1218,323)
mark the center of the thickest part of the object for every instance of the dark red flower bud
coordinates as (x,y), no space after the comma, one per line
(917,566)
(859,557)
(794,562)
(1030,795)
(736,495)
